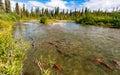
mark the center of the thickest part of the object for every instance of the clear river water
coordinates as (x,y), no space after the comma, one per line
(74,47)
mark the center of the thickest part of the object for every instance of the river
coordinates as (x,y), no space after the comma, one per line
(71,46)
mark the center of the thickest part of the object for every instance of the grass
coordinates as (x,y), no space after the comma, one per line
(12,50)
(28,18)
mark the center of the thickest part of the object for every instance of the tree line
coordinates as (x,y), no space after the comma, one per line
(84,16)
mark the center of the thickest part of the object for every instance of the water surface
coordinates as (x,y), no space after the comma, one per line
(71,46)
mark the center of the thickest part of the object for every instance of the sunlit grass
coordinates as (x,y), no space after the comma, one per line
(11,51)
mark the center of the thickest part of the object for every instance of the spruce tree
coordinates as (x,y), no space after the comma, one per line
(57,11)
(46,12)
(32,13)
(86,10)
(70,12)
(52,13)
(37,12)
(43,12)
(24,10)
(7,6)
(21,13)
(27,13)
(1,5)
(17,9)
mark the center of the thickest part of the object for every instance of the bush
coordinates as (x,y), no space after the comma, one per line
(87,20)
(107,20)
(45,21)
(9,16)
(115,23)
(115,20)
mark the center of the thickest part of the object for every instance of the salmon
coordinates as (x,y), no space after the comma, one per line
(116,63)
(57,67)
(106,65)
(100,61)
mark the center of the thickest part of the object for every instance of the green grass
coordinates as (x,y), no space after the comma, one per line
(11,51)
(29,18)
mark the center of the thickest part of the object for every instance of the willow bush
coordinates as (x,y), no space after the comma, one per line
(45,20)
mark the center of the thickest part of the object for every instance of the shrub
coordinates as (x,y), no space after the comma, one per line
(115,20)
(89,20)
(109,21)
(45,21)
(9,16)
(115,23)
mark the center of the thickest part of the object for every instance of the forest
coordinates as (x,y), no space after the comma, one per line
(11,54)
(83,16)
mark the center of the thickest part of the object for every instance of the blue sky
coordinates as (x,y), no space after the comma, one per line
(44,1)
(73,3)
(70,4)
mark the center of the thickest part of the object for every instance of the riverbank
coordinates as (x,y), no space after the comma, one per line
(12,50)
(111,20)
(47,21)
(29,18)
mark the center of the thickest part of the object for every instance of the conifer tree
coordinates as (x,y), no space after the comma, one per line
(42,11)
(23,10)
(86,11)
(46,12)
(63,11)
(26,13)
(7,6)
(52,13)
(57,11)
(37,12)
(70,12)
(1,5)
(32,13)
(17,9)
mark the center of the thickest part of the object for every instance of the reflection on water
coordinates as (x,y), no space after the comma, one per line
(76,44)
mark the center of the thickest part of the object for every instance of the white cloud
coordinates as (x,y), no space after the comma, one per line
(51,4)
(102,4)
(62,4)
(36,4)
(13,4)
(57,3)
